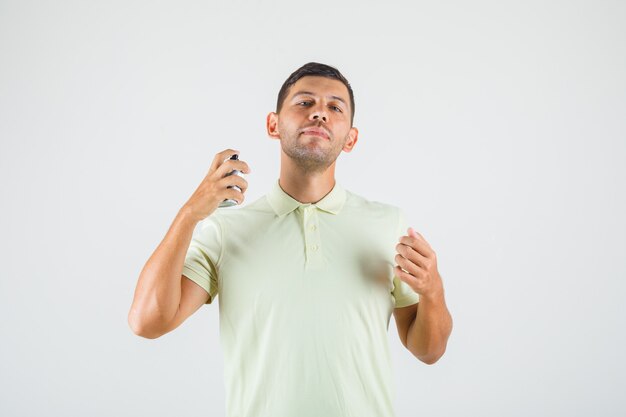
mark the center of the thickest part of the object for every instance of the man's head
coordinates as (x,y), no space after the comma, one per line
(319,70)
(313,119)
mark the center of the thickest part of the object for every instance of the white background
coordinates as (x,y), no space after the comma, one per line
(498,126)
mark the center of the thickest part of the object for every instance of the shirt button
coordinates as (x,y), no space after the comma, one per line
(314,247)
(312,227)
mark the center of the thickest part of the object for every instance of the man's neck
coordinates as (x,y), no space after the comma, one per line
(307,188)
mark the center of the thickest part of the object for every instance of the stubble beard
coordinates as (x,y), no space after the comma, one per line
(309,156)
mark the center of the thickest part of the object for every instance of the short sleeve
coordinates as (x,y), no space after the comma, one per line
(403,294)
(203,256)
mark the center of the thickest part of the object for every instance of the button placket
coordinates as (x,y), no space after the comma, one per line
(312,239)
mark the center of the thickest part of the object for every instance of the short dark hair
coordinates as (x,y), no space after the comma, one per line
(319,70)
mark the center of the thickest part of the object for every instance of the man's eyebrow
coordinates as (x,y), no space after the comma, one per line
(308,93)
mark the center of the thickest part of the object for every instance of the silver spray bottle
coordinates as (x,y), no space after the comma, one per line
(229,201)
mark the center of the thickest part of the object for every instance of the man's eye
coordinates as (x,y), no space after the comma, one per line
(336,108)
(305,102)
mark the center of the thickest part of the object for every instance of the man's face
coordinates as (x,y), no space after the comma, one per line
(314,122)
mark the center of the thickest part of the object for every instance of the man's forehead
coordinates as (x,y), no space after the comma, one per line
(320,86)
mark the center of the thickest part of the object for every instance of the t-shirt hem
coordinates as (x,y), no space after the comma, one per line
(201,281)
(407,301)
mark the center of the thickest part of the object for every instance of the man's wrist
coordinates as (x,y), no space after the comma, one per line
(186,215)
(437,296)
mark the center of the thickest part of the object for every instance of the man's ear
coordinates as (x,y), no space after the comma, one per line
(272,125)
(353,136)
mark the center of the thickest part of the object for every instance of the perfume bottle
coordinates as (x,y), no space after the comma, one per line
(229,201)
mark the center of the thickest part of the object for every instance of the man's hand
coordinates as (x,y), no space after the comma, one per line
(214,188)
(428,334)
(417,265)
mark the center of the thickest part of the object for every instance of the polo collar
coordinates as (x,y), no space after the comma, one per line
(283,203)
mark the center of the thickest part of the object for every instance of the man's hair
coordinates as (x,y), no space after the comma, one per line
(318,70)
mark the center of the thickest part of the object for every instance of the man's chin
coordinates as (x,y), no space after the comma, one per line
(306,156)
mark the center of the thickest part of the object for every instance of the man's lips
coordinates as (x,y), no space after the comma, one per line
(316,132)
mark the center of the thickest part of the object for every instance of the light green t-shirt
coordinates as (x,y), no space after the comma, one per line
(306,292)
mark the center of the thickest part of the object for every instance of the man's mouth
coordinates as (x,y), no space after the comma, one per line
(316,132)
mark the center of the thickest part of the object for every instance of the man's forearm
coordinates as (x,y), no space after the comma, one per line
(428,334)
(158,292)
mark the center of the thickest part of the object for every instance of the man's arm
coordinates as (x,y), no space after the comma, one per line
(158,293)
(429,331)
(163,298)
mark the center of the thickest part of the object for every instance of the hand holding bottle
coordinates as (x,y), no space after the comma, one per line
(218,185)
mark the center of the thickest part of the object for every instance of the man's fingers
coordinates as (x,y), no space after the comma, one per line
(420,245)
(221,157)
(407,265)
(412,255)
(406,277)
(230,165)
(231,180)
(417,235)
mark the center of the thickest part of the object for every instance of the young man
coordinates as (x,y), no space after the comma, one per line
(307,276)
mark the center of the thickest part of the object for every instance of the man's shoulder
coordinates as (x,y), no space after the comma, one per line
(258,206)
(358,202)
(222,215)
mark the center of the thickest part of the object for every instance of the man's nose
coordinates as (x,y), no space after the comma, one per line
(319,114)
